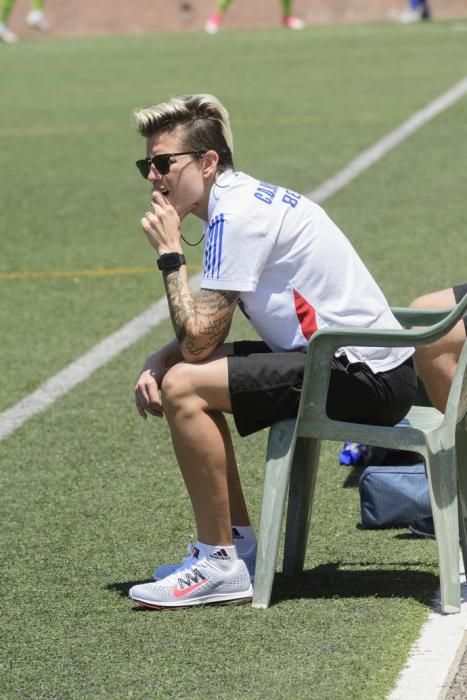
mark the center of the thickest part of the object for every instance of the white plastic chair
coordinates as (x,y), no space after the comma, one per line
(294,446)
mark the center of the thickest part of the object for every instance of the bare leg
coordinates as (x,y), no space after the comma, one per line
(436,364)
(194,397)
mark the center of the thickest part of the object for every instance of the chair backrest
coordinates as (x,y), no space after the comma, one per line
(456,407)
(324,343)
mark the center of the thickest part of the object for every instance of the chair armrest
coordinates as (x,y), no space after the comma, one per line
(325,342)
(333,338)
(419,317)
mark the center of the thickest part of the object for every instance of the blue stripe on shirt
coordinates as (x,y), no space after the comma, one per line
(213,250)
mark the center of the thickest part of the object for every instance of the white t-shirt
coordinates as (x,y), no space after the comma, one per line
(295,270)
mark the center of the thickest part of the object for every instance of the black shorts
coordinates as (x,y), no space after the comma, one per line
(460,290)
(265,387)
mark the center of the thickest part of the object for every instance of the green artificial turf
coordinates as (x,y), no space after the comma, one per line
(90,496)
(302,104)
(92,500)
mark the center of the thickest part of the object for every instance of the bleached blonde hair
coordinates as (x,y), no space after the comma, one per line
(205,122)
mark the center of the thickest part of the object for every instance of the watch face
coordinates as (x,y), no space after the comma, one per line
(170,261)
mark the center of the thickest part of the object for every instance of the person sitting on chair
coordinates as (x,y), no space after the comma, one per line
(278,257)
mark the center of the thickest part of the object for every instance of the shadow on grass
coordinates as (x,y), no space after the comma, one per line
(330,581)
(351,479)
(123,588)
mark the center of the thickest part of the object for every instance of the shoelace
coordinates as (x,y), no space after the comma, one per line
(188,562)
(187,568)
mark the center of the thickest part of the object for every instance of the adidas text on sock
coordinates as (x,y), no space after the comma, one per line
(224,557)
(244,537)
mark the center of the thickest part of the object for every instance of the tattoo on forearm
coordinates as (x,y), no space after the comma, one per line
(214,301)
(214,327)
(208,317)
(180,303)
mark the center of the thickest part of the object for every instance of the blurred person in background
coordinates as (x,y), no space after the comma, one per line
(436,364)
(34,19)
(214,22)
(417,11)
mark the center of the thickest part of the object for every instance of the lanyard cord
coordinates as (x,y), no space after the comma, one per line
(192,244)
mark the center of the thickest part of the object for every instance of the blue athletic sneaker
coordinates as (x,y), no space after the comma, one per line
(423,528)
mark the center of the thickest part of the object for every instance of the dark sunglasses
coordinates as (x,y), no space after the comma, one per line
(162,162)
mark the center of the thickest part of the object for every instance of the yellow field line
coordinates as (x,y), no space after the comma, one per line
(70,129)
(97,272)
(56,130)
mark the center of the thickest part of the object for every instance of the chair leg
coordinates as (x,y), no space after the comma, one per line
(441,468)
(276,480)
(301,490)
(463,535)
(461,456)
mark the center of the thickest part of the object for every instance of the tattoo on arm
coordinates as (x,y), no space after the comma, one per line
(202,323)
(180,303)
(212,300)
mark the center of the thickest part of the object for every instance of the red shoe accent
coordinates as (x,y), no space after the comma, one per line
(182,592)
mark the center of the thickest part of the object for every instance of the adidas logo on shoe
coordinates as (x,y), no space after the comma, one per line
(220,554)
(236,534)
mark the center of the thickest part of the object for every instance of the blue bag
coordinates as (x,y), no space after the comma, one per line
(391,496)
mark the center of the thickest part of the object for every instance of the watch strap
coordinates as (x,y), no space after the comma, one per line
(171,261)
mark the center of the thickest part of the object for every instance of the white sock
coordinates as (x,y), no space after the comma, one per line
(224,557)
(244,537)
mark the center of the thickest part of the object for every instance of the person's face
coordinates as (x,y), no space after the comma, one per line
(185,186)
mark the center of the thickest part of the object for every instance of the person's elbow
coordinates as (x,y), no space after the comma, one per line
(198,346)
(194,353)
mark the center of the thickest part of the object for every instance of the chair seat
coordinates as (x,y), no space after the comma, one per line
(423,418)
(412,433)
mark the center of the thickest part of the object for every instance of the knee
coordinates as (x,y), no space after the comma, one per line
(177,386)
(424,357)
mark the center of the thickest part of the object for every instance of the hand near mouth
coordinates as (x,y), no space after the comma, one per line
(162,225)
(181,211)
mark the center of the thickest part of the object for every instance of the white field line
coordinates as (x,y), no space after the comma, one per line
(388,142)
(426,672)
(61,383)
(84,366)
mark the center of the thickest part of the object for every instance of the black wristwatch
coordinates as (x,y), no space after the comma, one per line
(171,261)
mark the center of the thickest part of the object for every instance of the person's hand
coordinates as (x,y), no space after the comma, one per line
(147,397)
(162,225)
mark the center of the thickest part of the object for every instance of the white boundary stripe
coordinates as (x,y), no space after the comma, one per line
(83,367)
(388,142)
(430,659)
